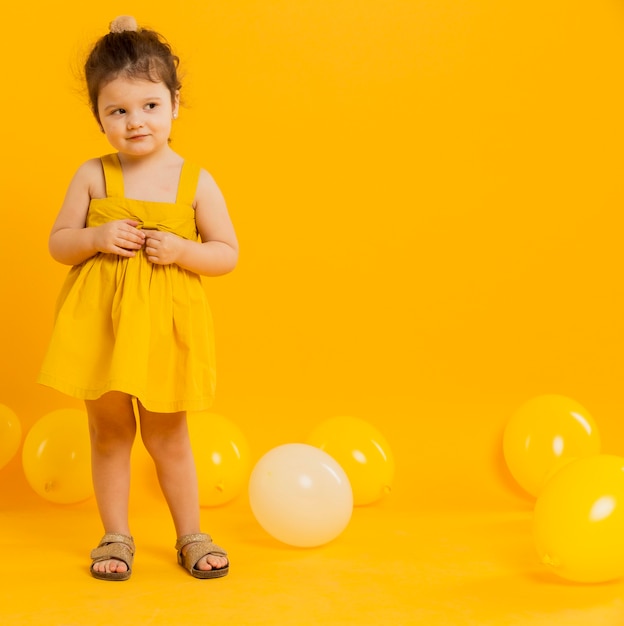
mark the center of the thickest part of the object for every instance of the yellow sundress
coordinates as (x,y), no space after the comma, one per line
(129,325)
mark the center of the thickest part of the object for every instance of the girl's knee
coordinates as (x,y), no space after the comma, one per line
(111,422)
(112,435)
(165,438)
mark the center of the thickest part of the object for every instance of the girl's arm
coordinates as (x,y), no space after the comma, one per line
(216,253)
(71,242)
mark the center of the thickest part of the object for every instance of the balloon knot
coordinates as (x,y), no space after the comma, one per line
(550,560)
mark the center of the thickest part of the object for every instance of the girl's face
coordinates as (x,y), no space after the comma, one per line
(136,115)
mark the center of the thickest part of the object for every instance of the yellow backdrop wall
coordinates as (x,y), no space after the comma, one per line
(427,194)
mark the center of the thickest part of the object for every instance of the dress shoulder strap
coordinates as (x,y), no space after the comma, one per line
(187,187)
(113,176)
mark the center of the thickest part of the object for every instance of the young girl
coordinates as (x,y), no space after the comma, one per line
(132,324)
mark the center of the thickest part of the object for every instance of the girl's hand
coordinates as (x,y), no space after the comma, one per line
(119,237)
(163,248)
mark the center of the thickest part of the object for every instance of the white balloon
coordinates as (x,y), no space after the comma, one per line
(300,495)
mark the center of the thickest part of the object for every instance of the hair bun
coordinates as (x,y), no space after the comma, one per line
(123,23)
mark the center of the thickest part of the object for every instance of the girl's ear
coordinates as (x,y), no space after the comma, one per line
(176,105)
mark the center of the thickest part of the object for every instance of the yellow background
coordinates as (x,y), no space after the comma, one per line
(428,199)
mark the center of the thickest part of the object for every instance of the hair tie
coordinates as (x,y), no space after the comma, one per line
(123,23)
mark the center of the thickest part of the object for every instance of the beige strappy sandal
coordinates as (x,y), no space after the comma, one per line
(202,546)
(113,546)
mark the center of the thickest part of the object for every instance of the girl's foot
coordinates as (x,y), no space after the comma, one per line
(201,557)
(208,562)
(110,566)
(112,559)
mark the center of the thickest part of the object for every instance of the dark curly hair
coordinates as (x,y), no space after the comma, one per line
(140,53)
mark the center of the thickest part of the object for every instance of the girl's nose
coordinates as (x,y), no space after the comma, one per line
(134,121)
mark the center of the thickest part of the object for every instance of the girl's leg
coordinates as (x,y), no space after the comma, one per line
(166,438)
(112,428)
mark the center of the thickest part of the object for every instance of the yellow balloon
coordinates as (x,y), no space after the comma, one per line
(578,520)
(300,495)
(56,457)
(543,435)
(222,457)
(10,435)
(145,487)
(362,452)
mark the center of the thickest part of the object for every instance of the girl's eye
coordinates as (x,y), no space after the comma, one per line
(152,105)
(119,111)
